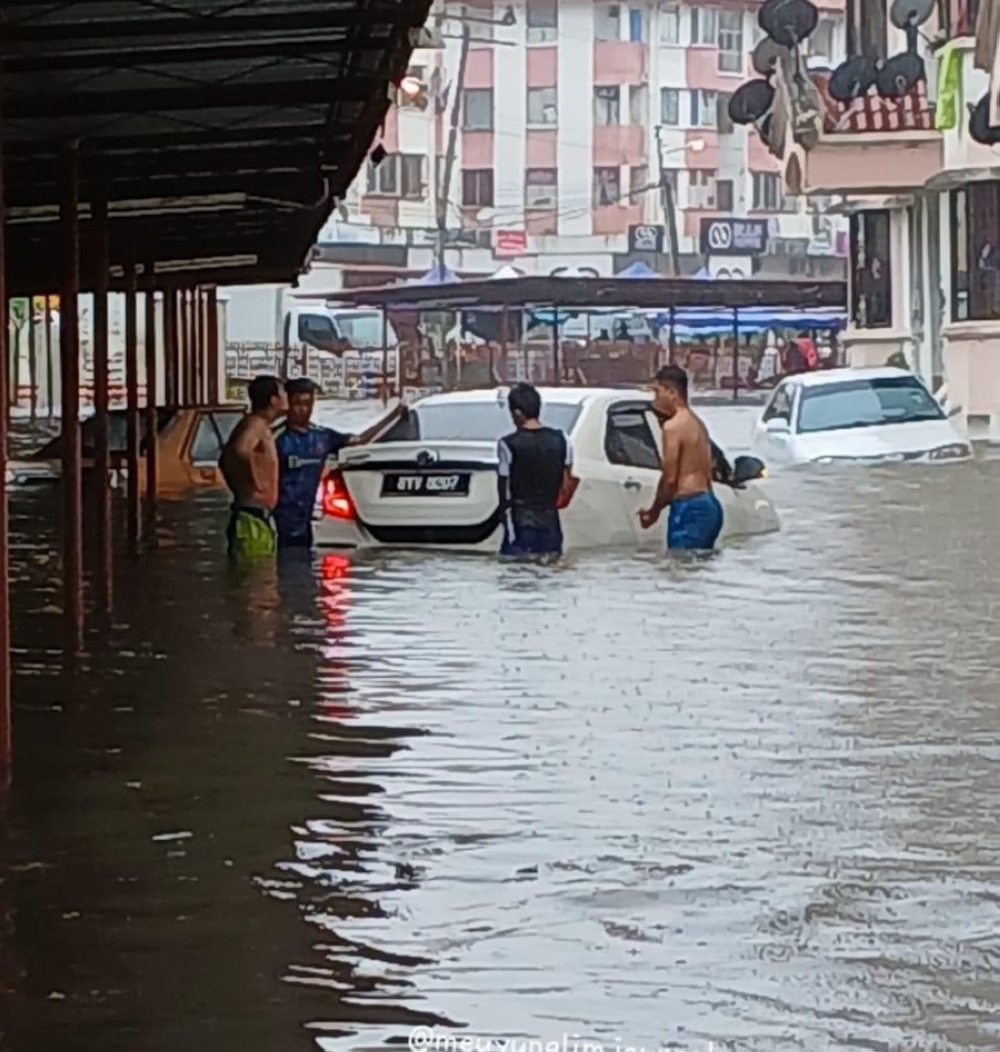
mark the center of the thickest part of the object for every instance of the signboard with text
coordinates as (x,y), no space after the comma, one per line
(645,237)
(733,237)
(507,243)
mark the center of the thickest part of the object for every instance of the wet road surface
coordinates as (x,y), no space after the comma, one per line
(750,802)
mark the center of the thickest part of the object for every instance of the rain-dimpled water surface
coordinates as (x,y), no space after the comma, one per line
(745,804)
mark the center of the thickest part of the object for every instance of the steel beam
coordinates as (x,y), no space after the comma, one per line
(152,459)
(133,522)
(102,447)
(69,347)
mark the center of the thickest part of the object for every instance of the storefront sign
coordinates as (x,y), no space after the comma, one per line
(508,243)
(645,237)
(733,237)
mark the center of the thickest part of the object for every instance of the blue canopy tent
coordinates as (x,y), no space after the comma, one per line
(637,270)
(436,276)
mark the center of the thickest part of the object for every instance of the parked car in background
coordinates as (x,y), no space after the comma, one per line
(189,442)
(859,415)
(430,480)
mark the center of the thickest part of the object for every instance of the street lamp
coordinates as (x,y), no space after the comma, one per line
(667,193)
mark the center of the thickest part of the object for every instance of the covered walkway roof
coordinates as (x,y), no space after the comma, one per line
(218,130)
(600,294)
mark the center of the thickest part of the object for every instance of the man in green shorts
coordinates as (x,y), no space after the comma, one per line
(249,464)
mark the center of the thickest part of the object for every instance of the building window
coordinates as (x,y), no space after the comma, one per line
(670,107)
(477,188)
(702,190)
(722,119)
(975,251)
(871,277)
(607,106)
(731,40)
(768,195)
(638,104)
(724,195)
(638,183)
(607,22)
(636,24)
(477,109)
(607,187)
(867,29)
(820,40)
(398,175)
(705,26)
(542,19)
(540,188)
(704,109)
(670,24)
(542,107)
(957,18)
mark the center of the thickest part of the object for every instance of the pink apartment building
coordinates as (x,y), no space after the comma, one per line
(564,120)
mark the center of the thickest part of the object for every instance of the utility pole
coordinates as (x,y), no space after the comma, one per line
(444,183)
(669,206)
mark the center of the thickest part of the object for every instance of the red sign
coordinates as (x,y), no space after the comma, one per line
(510,243)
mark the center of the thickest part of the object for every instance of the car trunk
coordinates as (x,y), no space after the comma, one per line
(424,492)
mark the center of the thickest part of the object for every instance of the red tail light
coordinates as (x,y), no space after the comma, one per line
(569,487)
(337,503)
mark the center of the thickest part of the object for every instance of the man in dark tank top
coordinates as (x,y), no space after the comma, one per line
(534,469)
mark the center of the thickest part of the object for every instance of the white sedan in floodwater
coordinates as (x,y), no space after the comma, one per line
(430,480)
(856,415)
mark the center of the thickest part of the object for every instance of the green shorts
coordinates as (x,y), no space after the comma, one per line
(251,534)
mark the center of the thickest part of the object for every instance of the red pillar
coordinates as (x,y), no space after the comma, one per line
(132,405)
(184,337)
(152,464)
(102,448)
(212,310)
(5,710)
(69,353)
(169,347)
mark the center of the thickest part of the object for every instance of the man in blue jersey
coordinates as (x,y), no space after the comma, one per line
(303,449)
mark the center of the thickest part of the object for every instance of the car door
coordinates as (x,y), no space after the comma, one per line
(632,455)
(210,430)
(774,447)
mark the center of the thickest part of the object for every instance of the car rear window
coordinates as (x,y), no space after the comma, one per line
(866,403)
(471,422)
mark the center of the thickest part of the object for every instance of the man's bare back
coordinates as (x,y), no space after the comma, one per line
(687,454)
(249,463)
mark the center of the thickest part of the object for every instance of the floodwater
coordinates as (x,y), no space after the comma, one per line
(750,804)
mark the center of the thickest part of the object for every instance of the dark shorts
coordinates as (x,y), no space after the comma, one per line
(695,522)
(250,533)
(532,533)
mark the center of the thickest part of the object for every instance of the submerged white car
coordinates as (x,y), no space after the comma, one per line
(430,480)
(860,415)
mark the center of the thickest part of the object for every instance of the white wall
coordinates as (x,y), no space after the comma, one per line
(576,101)
(510,98)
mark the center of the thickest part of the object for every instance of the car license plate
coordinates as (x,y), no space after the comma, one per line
(437,484)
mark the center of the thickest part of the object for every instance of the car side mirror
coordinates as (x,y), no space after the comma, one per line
(777,426)
(955,410)
(747,469)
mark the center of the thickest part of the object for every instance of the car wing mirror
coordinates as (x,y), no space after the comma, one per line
(747,469)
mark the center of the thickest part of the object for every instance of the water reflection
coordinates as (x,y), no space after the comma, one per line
(748,802)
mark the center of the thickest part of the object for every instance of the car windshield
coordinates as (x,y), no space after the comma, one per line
(866,403)
(471,422)
(364,330)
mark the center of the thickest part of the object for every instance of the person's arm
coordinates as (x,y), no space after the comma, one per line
(669,478)
(565,491)
(398,413)
(503,475)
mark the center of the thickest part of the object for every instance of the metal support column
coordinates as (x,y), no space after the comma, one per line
(736,354)
(69,354)
(201,351)
(184,342)
(32,361)
(133,526)
(50,364)
(151,404)
(102,444)
(213,346)
(170,392)
(5,707)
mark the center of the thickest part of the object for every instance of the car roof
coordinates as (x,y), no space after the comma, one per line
(550,395)
(825,377)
